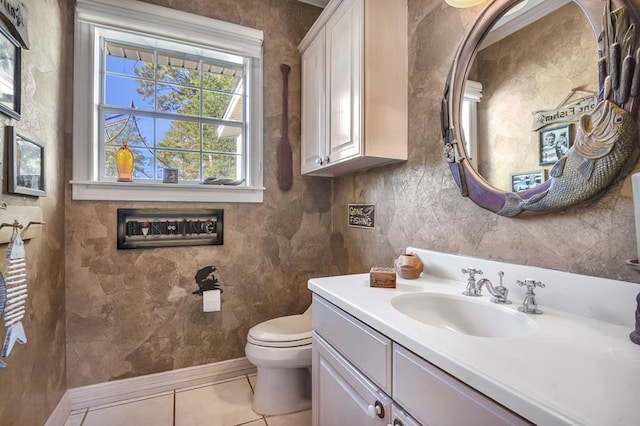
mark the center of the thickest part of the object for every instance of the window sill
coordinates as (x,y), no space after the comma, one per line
(164,192)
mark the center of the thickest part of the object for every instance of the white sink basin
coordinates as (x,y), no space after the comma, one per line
(464,315)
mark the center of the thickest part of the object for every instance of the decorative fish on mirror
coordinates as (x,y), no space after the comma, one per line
(606,148)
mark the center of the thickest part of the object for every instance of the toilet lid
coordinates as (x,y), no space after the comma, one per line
(292,330)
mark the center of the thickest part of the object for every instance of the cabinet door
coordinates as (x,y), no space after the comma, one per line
(344,80)
(341,394)
(313,105)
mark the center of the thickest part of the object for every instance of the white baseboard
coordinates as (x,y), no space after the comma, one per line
(60,414)
(135,387)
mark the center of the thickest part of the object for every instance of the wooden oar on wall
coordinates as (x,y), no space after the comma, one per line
(285,172)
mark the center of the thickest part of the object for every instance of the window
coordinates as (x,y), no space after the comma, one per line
(192,102)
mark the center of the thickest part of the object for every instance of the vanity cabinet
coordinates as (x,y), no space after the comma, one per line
(354,87)
(357,369)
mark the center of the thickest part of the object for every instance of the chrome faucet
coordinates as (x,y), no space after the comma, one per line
(499,293)
(472,288)
(529,305)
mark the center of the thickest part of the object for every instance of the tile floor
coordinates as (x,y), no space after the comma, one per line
(226,403)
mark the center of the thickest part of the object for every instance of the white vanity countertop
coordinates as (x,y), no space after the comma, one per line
(571,370)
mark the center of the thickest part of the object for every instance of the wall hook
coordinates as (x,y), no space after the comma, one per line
(14,225)
(34,222)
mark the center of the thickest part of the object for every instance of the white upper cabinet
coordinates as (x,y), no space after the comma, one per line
(354,87)
(313,87)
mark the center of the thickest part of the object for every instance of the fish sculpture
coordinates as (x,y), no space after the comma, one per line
(605,148)
(604,151)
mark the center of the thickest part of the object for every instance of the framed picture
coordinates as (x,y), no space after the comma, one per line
(526,180)
(26,165)
(553,144)
(10,72)
(170,175)
(151,228)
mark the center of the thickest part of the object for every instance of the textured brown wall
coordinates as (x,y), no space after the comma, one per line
(419,204)
(131,312)
(544,60)
(35,381)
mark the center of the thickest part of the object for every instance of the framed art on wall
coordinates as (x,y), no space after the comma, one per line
(153,228)
(553,144)
(10,72)
(526,180)
(26,165)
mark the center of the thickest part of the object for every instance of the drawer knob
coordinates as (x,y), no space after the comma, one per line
(376,410)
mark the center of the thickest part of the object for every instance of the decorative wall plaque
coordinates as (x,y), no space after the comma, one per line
(361,215)
(151,228)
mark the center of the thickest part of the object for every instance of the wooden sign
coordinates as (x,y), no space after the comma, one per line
(361,215)
(566,113)
(14,13)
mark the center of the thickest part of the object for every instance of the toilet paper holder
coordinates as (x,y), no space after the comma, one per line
(206,280)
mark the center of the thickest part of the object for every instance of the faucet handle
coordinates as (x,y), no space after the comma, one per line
(530,284)
(472,272)
(529,304)
(500,293)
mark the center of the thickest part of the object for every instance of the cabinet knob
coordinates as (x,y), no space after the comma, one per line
(376,410)
(319,161)
(326,160)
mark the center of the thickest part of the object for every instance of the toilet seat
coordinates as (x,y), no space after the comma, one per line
(283,332)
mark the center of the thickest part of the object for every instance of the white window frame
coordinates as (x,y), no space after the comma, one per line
(469,119)
(94,16)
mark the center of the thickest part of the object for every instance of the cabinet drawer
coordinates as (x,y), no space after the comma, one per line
(434,397)
(365,348)
(341,394)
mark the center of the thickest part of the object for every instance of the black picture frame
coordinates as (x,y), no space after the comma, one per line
(26,157)
(553,144)
(153,228)
(10,74)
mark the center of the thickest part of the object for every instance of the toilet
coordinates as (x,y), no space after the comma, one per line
(281,350)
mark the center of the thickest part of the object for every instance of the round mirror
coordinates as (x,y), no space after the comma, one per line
(530,95)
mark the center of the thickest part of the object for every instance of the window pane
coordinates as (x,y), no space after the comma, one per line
(137,131)
(110,170)
(124,92)
(143,163)
(124,59)
(178,134)
(220,77)
(219,165)
(221,105)
(222,138)
(185,72)
(187,163)
(178,99)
